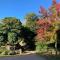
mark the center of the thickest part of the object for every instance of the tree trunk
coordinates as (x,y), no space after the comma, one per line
(56,47)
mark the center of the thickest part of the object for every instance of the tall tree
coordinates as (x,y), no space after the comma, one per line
(31,21)
(12,26)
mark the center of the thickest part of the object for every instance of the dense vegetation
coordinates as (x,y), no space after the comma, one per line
(38,32)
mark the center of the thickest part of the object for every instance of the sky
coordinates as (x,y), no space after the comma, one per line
(19,8)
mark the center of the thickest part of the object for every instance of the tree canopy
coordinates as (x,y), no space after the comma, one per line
(12,24)
(31,21)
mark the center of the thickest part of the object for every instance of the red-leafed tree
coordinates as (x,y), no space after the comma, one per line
(43,11)
(49,22)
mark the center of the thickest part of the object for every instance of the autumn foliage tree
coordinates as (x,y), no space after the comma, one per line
(49,23)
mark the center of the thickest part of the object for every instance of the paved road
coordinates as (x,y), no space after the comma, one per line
(27,57)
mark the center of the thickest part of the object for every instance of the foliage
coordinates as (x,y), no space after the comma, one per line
(12,24)
(28,36)
(12,37)
(31,21)
(49,23)
(41,47)
(1,39)
(41,30)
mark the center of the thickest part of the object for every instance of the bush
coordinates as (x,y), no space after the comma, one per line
(3,51)
(41,47)
(12,37)
(1,39)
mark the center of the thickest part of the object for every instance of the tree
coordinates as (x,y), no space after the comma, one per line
(3,34)
(28,36)
(12,37)
(31,21)
(49,24)
(12,26)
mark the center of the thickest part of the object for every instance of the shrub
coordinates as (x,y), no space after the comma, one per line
(12,37)
(41,47)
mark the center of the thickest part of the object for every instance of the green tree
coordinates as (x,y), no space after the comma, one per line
(12,26)
(31,21)
(12,37)
(28,36)
(3,34)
